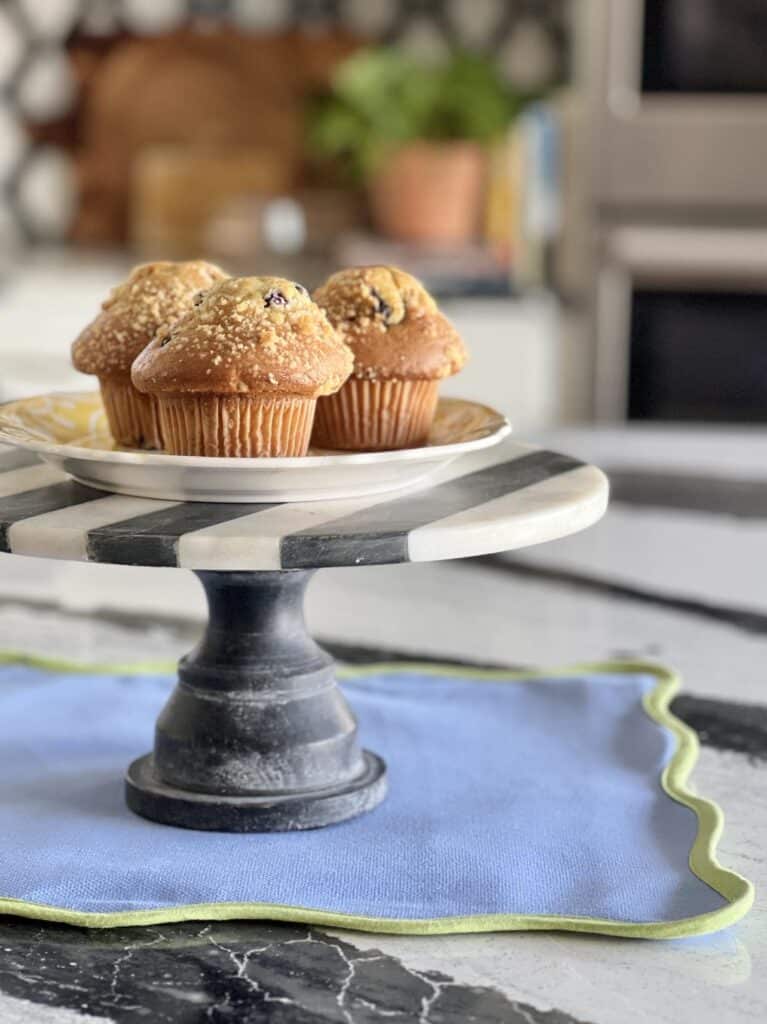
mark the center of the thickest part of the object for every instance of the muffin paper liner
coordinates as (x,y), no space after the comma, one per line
(244,426)
(375,414)
(132,416)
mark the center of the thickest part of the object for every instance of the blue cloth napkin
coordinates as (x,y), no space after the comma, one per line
(513,803)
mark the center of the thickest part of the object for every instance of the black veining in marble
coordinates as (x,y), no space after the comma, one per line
(689,492)
(359,654)
(742,618)
(237,972)
(726,725)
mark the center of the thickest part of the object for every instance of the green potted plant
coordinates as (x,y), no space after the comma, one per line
(415,134)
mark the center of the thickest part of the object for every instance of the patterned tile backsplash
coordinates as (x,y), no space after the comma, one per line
(528,38)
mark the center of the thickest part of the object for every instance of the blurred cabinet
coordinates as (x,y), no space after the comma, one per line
(681,318)
(517,357)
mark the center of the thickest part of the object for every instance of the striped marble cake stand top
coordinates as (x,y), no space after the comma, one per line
(509,496)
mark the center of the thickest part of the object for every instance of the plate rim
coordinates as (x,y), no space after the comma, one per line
(295,462)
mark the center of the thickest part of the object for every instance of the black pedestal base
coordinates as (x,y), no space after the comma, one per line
(151,798)
(256,736)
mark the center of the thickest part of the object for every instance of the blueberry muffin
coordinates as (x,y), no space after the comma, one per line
(154,294)
(241,372)
(402,346)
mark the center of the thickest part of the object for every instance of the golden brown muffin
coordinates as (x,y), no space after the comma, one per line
(154,294)
(402,345)
(240,373)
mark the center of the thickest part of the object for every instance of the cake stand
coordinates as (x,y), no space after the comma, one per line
(256,735)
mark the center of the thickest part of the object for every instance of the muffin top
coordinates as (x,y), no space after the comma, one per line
(391,324)
(257,335)
(153,295)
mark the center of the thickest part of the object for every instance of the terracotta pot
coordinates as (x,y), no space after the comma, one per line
(429,192)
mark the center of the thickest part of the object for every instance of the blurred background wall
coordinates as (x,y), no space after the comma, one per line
(580,181)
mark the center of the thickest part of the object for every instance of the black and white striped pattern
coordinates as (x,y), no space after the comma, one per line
(505,497)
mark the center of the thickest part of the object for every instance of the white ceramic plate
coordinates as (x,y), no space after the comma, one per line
(69,430)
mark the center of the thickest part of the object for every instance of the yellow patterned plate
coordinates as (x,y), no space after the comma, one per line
(70,431)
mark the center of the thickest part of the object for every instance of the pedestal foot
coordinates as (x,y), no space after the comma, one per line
(256,736)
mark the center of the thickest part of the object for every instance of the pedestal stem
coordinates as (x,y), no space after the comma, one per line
(256,735)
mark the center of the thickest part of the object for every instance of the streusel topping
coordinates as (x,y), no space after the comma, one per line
(391,324)
(360,299)
(248,334)
(153,295)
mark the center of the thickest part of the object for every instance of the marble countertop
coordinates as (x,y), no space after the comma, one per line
(673,572)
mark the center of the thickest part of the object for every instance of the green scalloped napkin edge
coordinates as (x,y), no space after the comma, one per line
(734,888)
